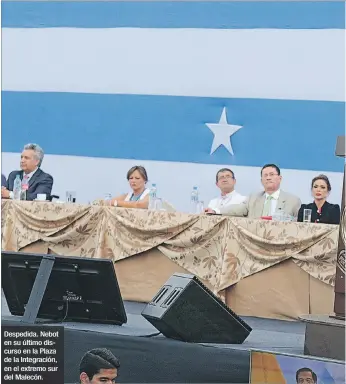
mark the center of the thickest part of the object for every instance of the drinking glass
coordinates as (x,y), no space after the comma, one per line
(41,197)
(107,199)
(158,206)
(70,196)
(199,207)
(307,216)
(278,216)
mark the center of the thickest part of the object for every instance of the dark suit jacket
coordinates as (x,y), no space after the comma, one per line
(330,213)
(3,181)
(40,182)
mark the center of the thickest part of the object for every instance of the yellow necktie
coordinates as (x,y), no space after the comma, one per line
(267,208)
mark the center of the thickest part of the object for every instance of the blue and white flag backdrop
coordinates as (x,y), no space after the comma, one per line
(183,88)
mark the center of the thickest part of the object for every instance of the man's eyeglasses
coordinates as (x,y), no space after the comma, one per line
(227,177)
(269,175)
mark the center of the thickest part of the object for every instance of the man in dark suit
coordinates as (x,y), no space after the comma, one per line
(3,180)
(38,181)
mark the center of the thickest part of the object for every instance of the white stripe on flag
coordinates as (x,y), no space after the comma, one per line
(258,63)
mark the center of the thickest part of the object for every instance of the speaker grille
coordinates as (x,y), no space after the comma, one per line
(185,309)
(229,310)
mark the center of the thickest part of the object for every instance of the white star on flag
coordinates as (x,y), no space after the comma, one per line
(222,133)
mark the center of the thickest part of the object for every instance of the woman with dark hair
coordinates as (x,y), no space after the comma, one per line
(321,210)
(139,196)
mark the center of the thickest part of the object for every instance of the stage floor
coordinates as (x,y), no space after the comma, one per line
(269,334)
(152,359)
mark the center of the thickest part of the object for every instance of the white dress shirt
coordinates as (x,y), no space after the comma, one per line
(231,198)
(275,198)
(28,177)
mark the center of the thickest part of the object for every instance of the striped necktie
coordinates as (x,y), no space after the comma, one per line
(267,208)
(25,179)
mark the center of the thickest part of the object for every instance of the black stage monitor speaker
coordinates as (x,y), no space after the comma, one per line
(61,288)
(185,309)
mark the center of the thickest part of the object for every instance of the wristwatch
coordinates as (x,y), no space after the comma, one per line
(115,203)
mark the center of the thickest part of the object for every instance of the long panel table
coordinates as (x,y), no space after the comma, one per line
(260,268)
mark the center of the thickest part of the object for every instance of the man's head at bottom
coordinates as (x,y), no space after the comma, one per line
(306,376)
(98,365)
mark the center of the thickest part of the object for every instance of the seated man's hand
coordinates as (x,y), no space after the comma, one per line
(209,210)
(5,193)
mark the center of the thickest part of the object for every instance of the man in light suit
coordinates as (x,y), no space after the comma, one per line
(271,200)
(38,181)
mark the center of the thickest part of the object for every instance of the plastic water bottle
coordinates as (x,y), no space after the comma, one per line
(152,197)
(17,188)
(194,200)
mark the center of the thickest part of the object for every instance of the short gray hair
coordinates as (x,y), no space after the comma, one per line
(38,151)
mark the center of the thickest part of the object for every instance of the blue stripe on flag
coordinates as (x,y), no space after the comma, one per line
(294,134)
(173,14)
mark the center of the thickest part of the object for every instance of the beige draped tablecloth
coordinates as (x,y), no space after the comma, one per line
(220,250)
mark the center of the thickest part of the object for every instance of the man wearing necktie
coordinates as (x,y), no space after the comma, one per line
(272,200)
(267,208)
(37,181)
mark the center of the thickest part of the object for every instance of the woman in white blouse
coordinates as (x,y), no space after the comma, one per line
(139,195)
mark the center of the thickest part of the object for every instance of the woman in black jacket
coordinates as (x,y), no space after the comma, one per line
(321,210)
